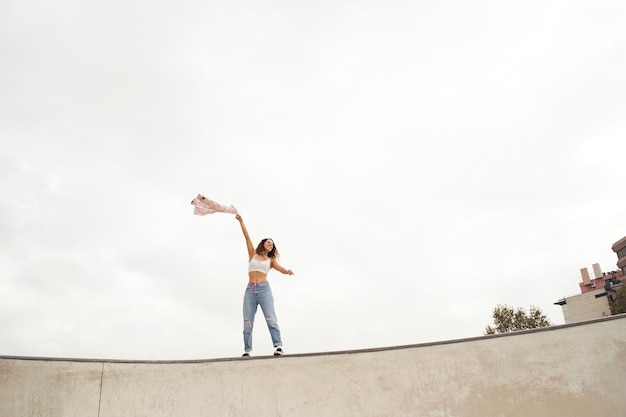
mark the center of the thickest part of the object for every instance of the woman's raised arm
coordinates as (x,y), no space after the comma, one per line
(249,245)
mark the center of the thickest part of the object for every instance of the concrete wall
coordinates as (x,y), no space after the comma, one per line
(570,370)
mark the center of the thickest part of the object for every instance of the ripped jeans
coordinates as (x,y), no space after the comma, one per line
(259,294)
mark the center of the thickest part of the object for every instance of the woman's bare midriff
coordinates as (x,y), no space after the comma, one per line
(256,277)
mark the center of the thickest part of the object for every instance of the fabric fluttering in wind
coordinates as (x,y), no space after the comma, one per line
(203,206)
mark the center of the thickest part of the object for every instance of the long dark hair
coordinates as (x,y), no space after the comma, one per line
(272,254)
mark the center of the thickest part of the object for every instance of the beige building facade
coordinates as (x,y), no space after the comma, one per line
(597,292)
(588,306)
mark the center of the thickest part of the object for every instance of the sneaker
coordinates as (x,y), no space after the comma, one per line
(278,351)
(245,354)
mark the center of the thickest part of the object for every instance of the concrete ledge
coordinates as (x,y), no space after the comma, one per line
(573,370)
(338,352)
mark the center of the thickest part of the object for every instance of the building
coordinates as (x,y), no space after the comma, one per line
(588,285)
(596,293)
(619,248)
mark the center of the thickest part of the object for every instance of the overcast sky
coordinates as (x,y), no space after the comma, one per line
(416,162)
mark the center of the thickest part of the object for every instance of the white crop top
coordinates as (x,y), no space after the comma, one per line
(260,266)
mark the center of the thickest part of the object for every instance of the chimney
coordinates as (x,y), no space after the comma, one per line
(585,274)
(597,271)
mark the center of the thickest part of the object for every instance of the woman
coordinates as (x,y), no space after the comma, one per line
(258,291)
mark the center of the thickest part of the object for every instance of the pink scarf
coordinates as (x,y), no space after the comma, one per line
(203,205)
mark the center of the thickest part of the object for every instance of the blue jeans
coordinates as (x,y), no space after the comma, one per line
(259,294)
